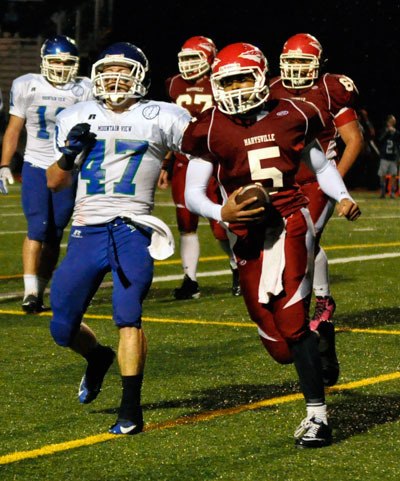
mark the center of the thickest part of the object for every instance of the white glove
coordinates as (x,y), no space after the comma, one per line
(5,176)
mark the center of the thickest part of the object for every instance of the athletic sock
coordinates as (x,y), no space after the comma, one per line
(131,394)
(319,410)
(30,284)
(190,253)
(321,275)
(307,361)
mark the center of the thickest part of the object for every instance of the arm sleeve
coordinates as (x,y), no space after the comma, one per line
(197,177)
(328,176)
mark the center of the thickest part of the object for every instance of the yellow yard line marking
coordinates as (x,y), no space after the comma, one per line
(367,331)
(220,258)
(188,420)
(199,322)
(360,246)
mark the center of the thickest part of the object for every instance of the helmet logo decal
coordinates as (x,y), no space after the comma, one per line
(316,45)
(206,46)
(252,55)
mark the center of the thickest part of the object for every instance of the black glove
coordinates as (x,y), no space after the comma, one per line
(78,139)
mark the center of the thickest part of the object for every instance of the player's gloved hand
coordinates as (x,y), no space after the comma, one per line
(5,176)
(78,139)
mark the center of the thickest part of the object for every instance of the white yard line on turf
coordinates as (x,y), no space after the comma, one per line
(225,272)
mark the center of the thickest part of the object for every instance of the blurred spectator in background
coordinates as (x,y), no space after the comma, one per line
(389,149)
(364,171)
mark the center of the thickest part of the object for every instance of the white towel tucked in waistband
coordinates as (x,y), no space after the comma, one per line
(272,265)
(162,241)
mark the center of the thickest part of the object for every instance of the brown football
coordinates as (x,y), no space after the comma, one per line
(253,190)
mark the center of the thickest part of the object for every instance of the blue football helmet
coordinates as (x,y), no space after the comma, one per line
(116,87)
(60,59)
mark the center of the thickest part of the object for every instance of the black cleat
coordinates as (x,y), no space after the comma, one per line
(327,350)
(91,382)
(236,290)
(32,304)
(188,290)
(313,433)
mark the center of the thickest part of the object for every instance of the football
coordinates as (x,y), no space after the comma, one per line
(254,190)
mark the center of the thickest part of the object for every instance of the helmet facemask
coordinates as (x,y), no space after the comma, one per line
(60,68)
(117,87)
(299,70)
(241,100)
(192,64)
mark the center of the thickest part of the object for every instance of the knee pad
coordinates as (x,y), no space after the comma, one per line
(37,232)
(62,333)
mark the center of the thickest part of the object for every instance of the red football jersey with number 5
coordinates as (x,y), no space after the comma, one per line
(266,150)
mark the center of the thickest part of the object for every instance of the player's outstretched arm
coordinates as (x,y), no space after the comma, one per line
(9,147)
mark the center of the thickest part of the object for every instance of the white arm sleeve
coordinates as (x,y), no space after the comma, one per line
(328,176)
(197,177)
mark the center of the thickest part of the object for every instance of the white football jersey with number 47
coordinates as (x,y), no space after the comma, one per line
(120,172)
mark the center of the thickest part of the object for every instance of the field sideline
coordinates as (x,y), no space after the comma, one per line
(216,406)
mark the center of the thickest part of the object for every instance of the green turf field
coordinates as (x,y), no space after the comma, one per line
(216,406)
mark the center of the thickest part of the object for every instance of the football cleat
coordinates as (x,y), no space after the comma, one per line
(92,380)
(188,290)
(313,433)
(127,427)
(31,304)
(236,290)
(327,350)
(324,310)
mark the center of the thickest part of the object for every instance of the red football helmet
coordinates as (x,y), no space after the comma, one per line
(235,60)
(300,61)
(196,56)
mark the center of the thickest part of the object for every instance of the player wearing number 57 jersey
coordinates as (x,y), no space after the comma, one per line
(246,139)
(117,143)
(191,89)
(35,100)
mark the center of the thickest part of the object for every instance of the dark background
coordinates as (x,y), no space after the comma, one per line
(360,38)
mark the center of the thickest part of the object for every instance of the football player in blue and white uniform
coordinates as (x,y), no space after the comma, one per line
(35,100)
(117,143)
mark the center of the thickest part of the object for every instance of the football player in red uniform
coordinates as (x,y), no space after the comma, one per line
(301,64)
(246,138)
(191,89)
